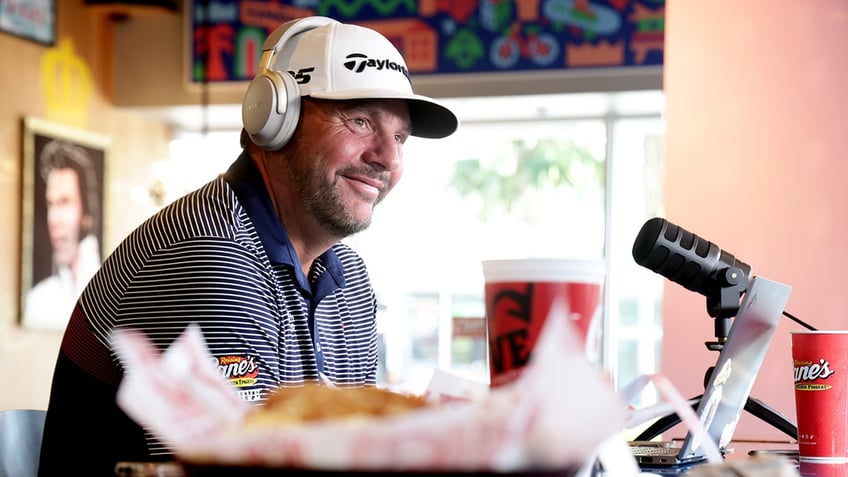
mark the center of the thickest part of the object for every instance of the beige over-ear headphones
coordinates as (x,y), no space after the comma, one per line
(271,106)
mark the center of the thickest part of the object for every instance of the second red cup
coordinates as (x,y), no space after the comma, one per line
(820,365)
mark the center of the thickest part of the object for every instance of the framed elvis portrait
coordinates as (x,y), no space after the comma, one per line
(63,186)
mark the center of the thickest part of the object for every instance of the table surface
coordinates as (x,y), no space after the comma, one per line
(743,448)
(737,450)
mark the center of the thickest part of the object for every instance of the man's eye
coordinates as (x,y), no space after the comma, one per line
(360,125)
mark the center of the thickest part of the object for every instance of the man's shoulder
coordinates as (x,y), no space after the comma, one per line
(347,255)
(211,209)
(352,265)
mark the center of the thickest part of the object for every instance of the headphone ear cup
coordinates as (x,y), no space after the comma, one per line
(271,109)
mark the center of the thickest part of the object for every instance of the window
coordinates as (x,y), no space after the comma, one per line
(527,176)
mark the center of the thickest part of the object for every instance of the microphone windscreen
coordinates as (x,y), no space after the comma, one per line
(683,257)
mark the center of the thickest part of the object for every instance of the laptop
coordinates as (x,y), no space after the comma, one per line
(729,385)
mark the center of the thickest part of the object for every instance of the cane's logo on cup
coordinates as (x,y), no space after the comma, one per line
(807,372)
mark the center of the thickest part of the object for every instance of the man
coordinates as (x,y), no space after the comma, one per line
(254,257)
(72,204)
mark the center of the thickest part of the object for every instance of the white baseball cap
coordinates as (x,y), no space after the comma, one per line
(341,61)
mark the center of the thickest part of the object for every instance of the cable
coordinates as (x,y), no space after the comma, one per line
(796,320)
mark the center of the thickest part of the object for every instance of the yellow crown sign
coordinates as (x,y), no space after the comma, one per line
(66,84)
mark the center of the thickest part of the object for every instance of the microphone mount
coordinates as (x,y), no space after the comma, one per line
(723,303)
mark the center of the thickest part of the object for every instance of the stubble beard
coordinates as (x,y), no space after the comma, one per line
(322,199)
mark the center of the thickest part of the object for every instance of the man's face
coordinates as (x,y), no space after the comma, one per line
(347,158)
(64,214)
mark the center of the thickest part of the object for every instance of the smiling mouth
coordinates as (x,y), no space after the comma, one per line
(366,186)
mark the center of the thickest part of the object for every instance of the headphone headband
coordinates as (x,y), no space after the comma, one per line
(278,37)
(271,106)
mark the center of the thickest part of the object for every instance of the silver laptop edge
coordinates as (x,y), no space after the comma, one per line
(736,369)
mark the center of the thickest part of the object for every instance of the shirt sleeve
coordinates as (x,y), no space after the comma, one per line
(231,295)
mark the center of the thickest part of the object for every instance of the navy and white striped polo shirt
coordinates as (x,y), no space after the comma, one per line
(220,258)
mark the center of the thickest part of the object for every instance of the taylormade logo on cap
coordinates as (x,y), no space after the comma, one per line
(337,61)
(357,62)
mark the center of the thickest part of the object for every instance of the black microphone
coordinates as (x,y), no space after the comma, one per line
(695,263)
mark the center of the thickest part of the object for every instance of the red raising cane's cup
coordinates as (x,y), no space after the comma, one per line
(519,295)
(820,362)
(810,469)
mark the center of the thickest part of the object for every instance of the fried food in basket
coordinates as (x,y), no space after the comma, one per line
(314,402)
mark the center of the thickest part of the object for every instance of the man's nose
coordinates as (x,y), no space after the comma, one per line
(385,151)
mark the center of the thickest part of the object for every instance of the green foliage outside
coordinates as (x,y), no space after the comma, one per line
(546,165)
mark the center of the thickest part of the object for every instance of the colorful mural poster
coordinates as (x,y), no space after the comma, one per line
(444,36)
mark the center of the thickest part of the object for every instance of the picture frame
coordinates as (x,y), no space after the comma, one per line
(62,218)
(30,19)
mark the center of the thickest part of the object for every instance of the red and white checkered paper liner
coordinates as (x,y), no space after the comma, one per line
(554,416)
